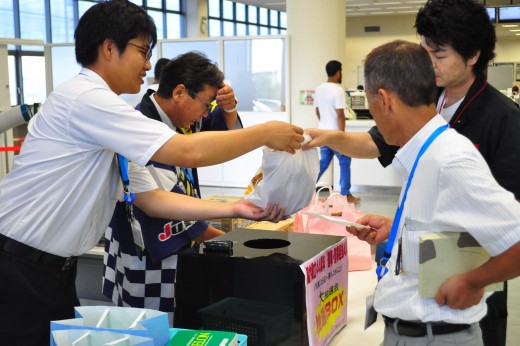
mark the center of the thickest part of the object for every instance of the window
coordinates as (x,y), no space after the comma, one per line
(54,21)
(33,75)
(62,21)
(256,70)
(228,18)
(6,19)
(32,20)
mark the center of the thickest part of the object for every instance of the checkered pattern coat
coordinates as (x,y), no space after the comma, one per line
(146,279)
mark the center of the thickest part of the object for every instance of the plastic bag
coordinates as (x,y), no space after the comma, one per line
(288,179)
(336,205)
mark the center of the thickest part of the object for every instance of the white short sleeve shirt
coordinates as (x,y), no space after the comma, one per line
(452,190)
(329,97)
(60,195)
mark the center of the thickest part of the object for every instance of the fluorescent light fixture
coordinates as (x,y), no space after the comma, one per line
(509,25)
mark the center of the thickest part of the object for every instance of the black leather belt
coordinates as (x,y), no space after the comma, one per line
(419,329)
(38,256)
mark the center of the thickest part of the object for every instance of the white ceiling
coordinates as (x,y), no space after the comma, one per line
(358,8)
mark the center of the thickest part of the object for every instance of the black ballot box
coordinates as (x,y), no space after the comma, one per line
(257,288)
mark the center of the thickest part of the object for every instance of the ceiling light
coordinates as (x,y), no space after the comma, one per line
(509,25)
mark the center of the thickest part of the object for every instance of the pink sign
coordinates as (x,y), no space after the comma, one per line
(326,279)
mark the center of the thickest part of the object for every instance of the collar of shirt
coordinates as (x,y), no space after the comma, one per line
(405,157)
(94,77)
(447,112)
(165,119)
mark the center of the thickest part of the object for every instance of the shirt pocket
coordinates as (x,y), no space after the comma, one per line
(410,240)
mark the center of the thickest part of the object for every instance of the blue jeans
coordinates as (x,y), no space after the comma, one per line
(344,167)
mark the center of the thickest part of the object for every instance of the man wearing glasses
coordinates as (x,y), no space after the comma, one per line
(58,199)
(188,84)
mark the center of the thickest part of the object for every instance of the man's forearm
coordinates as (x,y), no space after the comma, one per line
(503,267)
(354,144)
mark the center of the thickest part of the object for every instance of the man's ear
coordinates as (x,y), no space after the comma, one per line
(385,97)
(107,49)
(179,92)
(473,60)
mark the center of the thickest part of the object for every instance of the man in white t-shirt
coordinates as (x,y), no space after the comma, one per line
(329,100)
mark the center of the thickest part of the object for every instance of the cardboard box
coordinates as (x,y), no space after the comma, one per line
(284,225)
(227,224)
(189,337)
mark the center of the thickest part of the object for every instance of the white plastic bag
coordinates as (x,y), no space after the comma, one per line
(288,179)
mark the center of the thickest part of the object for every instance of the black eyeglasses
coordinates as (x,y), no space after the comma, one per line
(147,51)
(208,105)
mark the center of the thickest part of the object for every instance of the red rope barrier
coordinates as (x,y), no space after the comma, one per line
(15,149)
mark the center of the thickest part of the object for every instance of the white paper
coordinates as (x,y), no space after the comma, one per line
(336,220)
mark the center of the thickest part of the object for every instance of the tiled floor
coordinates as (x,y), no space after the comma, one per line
(386,204)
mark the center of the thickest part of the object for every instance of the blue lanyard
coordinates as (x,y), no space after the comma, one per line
(381,268)
(189,175)
(127,192)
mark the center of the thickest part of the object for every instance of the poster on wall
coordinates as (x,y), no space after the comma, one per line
(307,97)
(326,288)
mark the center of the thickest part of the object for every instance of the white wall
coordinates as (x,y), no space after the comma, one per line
(315,39)
(359,43)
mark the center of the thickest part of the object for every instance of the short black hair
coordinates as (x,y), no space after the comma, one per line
(193,69)
(118,20)
(158,68)
(463,24)
(404,68)
(332,67)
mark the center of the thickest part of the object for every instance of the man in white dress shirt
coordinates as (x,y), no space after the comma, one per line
(447,186)
(57,201)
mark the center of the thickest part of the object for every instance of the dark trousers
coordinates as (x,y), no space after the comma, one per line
(31,295)
(494,324)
